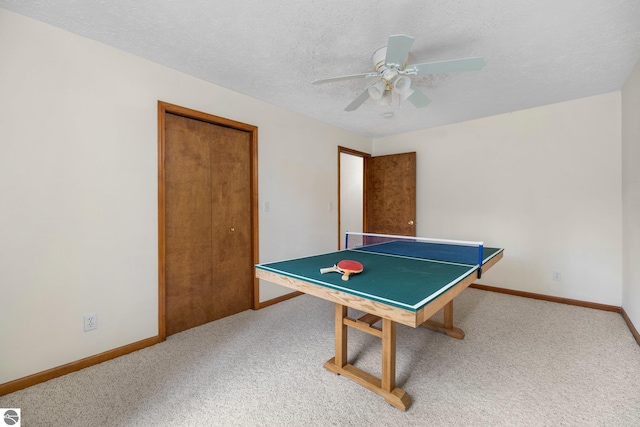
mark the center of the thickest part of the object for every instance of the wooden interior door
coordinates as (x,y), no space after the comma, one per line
(231,221)
(208,259)
(390,194)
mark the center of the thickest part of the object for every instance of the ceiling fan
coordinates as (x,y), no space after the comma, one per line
(394,84)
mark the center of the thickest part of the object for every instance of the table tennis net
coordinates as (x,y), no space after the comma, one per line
(453,251)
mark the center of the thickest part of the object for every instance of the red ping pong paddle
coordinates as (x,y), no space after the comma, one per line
(345,267)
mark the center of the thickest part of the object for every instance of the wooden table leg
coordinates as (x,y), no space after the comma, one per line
(448,315)
(385,387)
(446,327)
(388,355)
(341,335)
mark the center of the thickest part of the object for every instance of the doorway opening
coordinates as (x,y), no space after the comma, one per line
(376,194)
(351,192)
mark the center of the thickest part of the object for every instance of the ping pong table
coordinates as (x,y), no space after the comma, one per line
(405,280)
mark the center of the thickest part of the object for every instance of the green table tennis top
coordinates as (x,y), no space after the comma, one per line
(401,281)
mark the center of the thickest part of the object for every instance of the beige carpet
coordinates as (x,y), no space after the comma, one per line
(523,363)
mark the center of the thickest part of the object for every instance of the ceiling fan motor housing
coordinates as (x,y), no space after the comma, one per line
(378,58)
(388,74)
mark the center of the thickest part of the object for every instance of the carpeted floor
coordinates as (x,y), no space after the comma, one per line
(523,362)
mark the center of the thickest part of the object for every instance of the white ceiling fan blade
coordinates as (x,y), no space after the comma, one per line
(398,50)
(417,98)
(349,77)
(450,66)
(358,101)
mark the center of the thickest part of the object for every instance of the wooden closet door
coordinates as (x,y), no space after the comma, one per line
(231,221)
(208,256)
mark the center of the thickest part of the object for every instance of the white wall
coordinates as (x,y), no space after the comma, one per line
(78,181)
(631,195)
(543,183)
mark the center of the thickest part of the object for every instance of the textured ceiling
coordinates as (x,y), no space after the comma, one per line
(536,52)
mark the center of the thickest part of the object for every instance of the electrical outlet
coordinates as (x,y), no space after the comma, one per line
(556,276)
(90,322)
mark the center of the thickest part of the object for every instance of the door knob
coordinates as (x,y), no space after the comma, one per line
(232,229)
(410,222)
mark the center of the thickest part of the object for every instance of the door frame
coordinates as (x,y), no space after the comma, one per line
(163,109)
(364,156)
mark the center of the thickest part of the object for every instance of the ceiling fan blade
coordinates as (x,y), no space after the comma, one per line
(358,101)
(398,50)
(450,66)
(417,98)
(349,77)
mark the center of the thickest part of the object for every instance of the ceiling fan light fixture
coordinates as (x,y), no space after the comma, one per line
(402,85)
(377,90)
(386,98)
